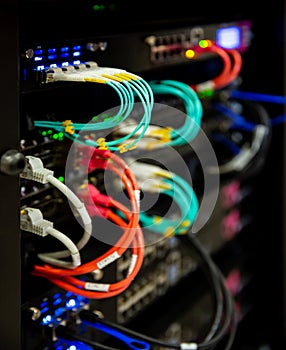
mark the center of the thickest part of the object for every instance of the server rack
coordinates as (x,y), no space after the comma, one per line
(12,142)
(10,239)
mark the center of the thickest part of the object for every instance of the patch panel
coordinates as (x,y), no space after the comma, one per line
(157,48)
(170,263)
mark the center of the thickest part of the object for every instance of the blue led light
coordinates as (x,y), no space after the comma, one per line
(58,312)
(57,301)
(43,304)
(52,57)
(65,49)
(44,310)
(76,62)
(229,37)
(76,53)
(72,347)
(53,65)
(65,55)
(40,67)
(71,303)
(38,58)
(53,50)
(47,320)
(38,52)
(65,64)
(76,47)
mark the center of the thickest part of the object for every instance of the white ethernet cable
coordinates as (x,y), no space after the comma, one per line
(35,171)
(31,220)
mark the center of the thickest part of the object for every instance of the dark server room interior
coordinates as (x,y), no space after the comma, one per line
(142,175)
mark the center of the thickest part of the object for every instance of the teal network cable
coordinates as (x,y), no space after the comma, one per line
(174,186)
(193,108)
(127,85)
(160,136)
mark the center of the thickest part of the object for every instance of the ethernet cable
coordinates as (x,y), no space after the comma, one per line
(67,279)
(225,326)
(170,184)
(34,170)
(127,85)
(159,136)
(31,220)
(104,206)
(249,157)
(261,98)
(232,64)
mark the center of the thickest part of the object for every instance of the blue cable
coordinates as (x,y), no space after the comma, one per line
(258,97)
(239,122)
(132,343)
(278,120)
(221,138)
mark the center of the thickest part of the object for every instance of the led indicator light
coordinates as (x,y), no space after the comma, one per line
(228,38)
(190,53)
(65,49)
(52,57)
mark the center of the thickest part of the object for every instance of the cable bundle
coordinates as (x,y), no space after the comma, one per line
(127,85)
(159,136)
(154,179)
(253,125)
(220,334)
(32,219)
(232,64)
(108,208)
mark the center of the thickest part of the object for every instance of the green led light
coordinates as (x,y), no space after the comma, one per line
(44,133)
(50,132)
(203,44)
(61,178)
(55,136)
(98,7)
(61,134)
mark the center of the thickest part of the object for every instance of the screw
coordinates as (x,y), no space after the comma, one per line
(92,47)
(29,53)
(102,45)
